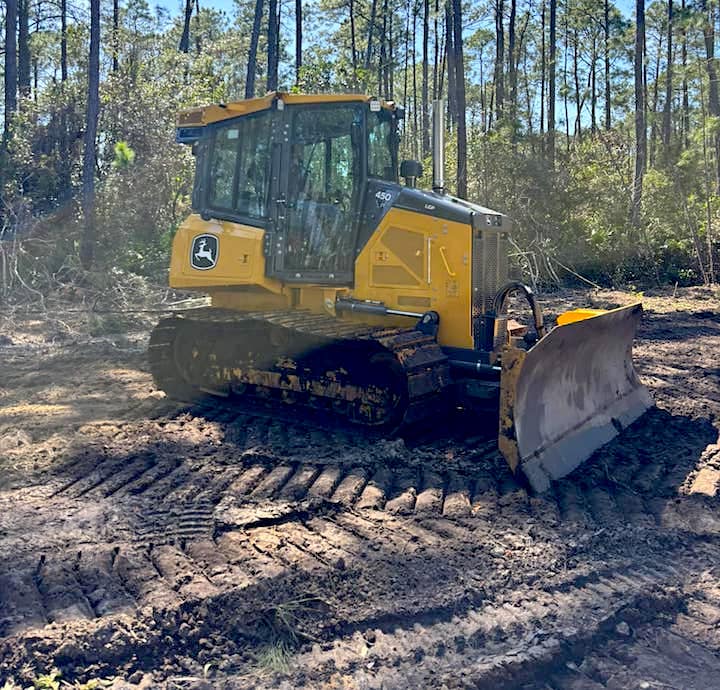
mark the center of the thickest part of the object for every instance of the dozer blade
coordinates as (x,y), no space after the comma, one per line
(569,395)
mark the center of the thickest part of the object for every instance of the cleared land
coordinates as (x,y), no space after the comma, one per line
(212,547)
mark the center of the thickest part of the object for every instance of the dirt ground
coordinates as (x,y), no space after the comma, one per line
(145,544)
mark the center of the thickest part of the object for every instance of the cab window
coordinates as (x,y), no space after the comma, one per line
(382,146)
(323,188)
(239,167)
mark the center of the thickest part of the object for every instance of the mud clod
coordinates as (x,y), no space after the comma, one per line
(623,629)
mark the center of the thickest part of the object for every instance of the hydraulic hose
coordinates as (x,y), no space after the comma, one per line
(516,286)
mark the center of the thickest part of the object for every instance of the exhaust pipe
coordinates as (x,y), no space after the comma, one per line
(438,146)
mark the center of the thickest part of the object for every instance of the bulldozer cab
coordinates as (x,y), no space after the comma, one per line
(300,171)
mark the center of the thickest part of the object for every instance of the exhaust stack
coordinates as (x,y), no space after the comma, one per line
(438,146)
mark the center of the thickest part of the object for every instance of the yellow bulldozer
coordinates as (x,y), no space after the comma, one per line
(338,289)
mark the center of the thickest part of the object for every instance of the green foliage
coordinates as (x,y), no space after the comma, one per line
(49,681)
(276,656)
(124,156)
(53,681)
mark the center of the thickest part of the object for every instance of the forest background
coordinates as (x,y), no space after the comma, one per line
(595,127)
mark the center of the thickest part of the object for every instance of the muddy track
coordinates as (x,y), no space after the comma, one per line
(295,552)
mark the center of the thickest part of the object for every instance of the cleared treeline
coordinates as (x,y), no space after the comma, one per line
(597,130)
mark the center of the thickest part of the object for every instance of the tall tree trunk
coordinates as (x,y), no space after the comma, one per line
(576,79)
(272,43)
(520,54)
(11,68)
(654,124)
(713,84)
(593,87)
(391,56)
(640,127)
(512,68)
(529,98)
(442,54)
(685,95)
(667,112)
(709,275)
(483,98)
(416,127)
(450,61)
(252,53)
(371,29)
(407,52)
(436,51)
(116,36)
(382,61)
(543,67)
(606,47)
(653,107)
(551,85)
(353,41)
(89,238)
(460,100)
(23,58)
(63,42)
(35,65)
(566,88)
(198,35)
(184,45)
(499,59)
(425,75)
(298,39)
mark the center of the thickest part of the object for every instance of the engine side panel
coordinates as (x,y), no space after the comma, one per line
(207,254)
(417,262)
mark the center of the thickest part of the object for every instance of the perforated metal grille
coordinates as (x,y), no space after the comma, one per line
(489,272)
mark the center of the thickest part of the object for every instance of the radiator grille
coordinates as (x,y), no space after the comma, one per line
(489,273)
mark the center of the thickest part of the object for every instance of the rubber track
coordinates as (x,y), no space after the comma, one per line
(419,355)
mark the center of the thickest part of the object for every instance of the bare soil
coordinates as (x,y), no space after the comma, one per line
(162,546)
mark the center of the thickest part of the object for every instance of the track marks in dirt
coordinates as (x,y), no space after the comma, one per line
(503,644)
(215,502)
(678,650)
(181,477)
(392,563)
(510,640)
(80,585)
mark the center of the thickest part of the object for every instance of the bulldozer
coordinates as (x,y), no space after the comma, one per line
(336,288)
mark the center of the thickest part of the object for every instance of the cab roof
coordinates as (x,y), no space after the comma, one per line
(204,115)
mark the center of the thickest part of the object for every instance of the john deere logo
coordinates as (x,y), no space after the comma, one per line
(204,252)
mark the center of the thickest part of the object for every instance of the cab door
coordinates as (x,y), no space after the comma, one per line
(320,187)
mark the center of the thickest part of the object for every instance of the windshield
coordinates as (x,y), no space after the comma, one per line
(382,146)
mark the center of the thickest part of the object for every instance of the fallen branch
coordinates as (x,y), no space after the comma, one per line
(575,273)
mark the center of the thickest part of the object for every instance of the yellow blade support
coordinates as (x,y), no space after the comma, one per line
(570,394)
